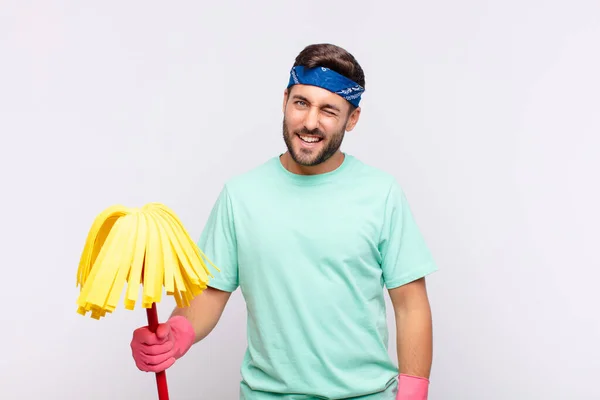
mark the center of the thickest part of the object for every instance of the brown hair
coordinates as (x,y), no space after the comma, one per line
(332,57)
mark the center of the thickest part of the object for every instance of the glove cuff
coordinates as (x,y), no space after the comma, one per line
(412,387)
(183,333)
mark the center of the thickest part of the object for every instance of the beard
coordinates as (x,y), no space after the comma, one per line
(310,157)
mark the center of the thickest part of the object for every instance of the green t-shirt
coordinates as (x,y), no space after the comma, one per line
(312,255)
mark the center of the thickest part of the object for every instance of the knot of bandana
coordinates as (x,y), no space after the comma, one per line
(328,79)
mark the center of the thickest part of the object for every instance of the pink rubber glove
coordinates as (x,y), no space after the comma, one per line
(412,387)
(155,352)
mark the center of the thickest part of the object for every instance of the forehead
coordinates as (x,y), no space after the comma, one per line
(318,96)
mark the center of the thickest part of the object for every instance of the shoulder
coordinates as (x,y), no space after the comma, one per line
(252,179)
(375,178)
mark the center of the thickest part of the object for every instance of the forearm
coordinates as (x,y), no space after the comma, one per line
(204,311)
(414,339)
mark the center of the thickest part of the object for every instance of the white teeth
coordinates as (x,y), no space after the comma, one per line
(309,139)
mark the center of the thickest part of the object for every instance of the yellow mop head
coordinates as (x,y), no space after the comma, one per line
(146,246)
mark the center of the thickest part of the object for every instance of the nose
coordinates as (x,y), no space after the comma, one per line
(311,119)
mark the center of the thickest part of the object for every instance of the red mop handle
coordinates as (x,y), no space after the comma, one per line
(161,377)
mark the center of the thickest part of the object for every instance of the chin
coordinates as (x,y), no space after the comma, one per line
(308,158)
(304,159)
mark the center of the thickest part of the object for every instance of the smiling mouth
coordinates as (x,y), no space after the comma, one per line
(309,139)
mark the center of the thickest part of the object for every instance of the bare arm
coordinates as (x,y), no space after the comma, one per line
(413,328)
(204,311)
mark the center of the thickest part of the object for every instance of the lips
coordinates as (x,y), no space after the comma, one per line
(309,139)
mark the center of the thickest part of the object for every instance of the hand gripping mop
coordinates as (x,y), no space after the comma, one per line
(146,246)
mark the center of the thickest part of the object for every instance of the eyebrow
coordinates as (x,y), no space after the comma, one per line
(331,106)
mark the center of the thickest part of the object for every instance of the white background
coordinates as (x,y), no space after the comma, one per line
(488,113)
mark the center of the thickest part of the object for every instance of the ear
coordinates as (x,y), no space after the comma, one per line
(353,119)
(286,95)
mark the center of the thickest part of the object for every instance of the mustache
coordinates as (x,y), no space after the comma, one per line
(314,132)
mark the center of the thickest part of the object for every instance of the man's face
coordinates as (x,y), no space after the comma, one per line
(315,121)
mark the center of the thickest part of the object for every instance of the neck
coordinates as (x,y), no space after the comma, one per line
(330,165)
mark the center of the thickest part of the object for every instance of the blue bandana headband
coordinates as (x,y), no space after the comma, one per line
(327,79)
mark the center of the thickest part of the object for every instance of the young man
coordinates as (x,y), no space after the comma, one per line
(312,237)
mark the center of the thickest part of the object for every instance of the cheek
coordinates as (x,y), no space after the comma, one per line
(332,126)
(293,122)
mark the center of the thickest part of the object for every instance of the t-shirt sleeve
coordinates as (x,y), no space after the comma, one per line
(218,242)
(405,255)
